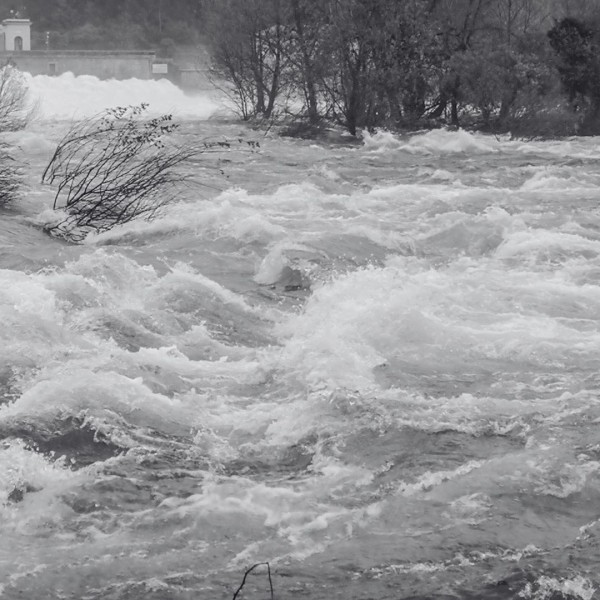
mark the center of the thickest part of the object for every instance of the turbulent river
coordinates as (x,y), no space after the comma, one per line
(375,366)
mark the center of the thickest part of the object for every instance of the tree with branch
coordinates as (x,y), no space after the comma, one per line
(247,38)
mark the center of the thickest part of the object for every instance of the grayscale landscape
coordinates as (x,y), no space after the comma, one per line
(309,308)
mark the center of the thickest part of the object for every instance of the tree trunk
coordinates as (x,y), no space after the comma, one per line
(506,104)
(307,67)
(258,71)
(439,110)
(274,88)
(454,112)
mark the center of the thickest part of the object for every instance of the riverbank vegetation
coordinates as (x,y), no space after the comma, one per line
(123,165)
(15,114)
(11,176)
(530,67)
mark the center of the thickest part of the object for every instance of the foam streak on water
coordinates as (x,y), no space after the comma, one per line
(375,367)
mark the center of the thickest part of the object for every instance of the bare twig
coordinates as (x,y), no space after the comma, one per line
(248,571)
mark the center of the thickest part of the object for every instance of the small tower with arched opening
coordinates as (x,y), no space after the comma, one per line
(16,34)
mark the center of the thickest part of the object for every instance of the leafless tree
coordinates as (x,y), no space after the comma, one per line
(247,39)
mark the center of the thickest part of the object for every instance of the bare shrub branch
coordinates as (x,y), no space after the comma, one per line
(112,168)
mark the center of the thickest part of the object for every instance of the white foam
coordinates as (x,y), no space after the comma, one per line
(437,141)
(42,480)
(381,140)
(430,480)
(547,587)
(70,97)
(542,180)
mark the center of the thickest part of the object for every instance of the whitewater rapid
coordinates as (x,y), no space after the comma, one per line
(68,97)
(373,366)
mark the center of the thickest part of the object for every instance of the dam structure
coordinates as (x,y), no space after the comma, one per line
(15,49)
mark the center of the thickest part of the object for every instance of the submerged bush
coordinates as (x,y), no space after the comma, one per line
(10,176)
(15,111)
(15,114)
(113,168)
(548,123)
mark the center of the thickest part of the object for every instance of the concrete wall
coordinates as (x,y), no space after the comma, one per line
(102,64)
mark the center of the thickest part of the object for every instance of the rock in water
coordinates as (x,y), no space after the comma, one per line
(293,279)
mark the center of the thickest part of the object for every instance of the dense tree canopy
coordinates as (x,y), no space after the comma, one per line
(406,63)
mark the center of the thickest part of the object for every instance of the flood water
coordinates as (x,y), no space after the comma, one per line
(374,365)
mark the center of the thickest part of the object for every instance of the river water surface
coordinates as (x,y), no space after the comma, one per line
(375,366)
